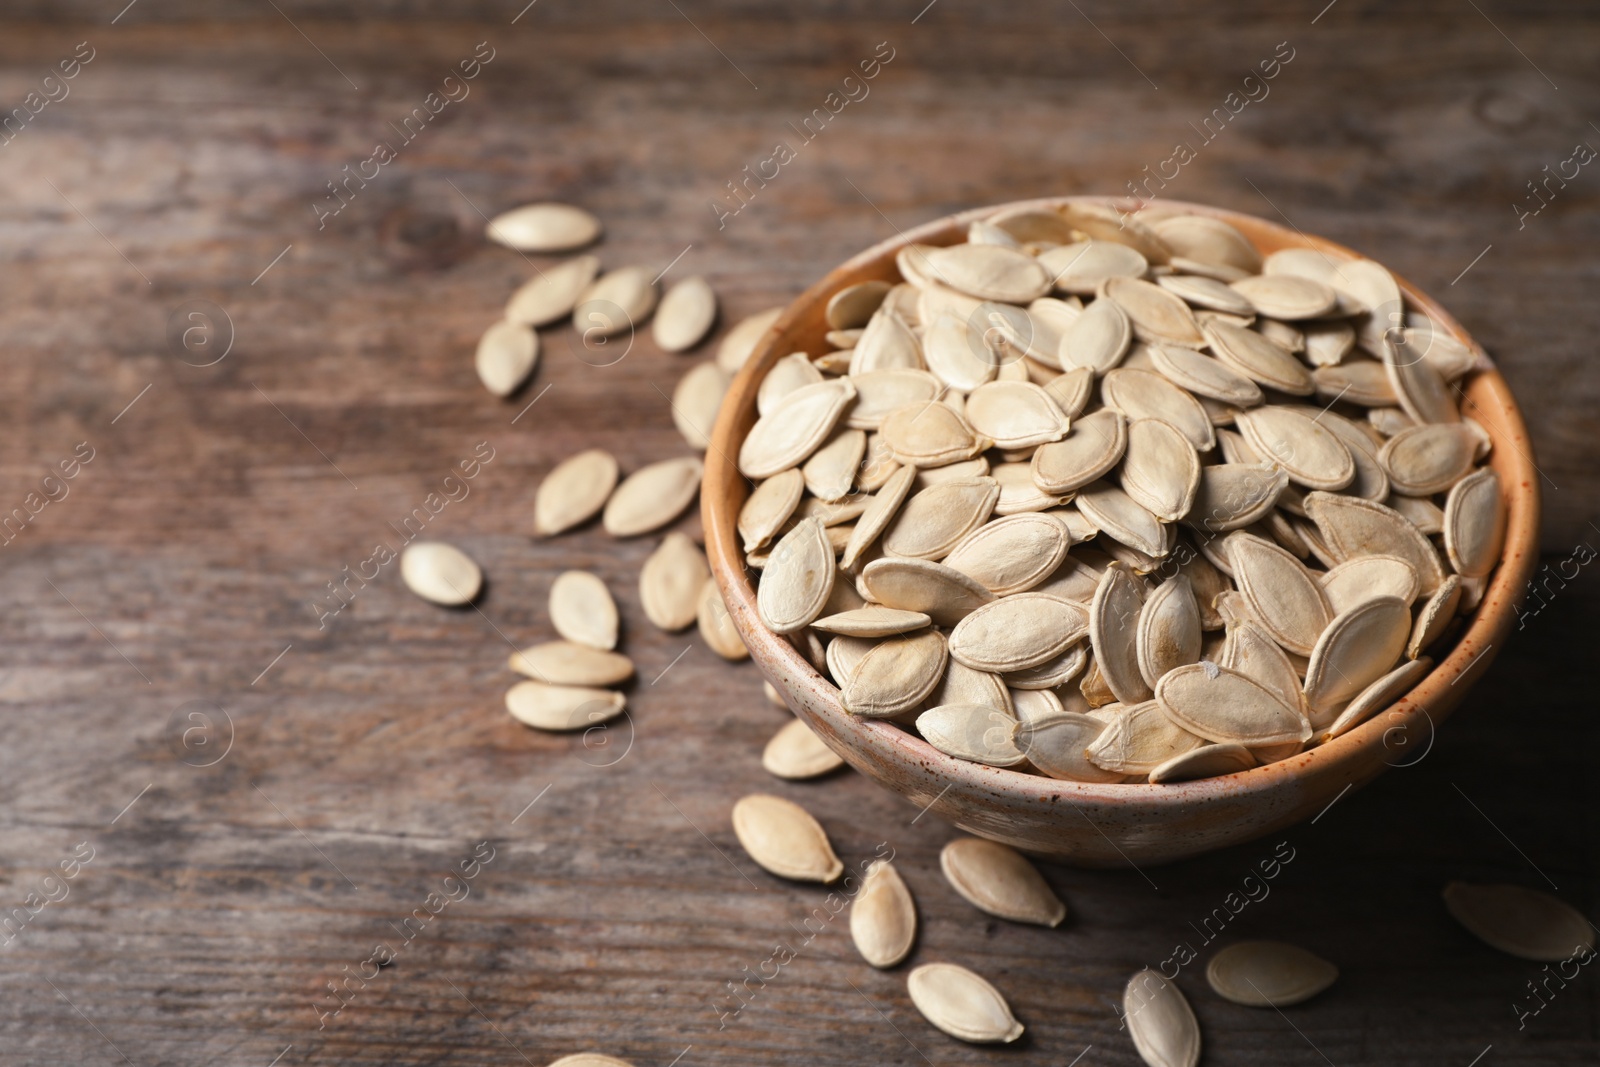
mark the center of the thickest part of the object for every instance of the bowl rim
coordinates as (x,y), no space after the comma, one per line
(1471,653)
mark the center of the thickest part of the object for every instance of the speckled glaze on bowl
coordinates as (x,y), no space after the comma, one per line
(1112,825)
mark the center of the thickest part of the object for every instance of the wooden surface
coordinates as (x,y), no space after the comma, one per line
(369,757)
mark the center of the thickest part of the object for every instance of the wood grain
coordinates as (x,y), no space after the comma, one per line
(373,756)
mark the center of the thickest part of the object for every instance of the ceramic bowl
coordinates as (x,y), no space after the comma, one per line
(1113,825)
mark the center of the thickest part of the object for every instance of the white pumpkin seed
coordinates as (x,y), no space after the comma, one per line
(740,342)
(1222,705)
(1353,527)
(1284,296)
(652,496)
(616,301)
(1522,922)
(1160,469)
(581,610)
(1160,1021)
(440,573)
(874,620)
(934,520)
(1428,459)
(1363,578)
(784,839)
(574,491)
(1114,632)
(883,919)
(1268,974)
(562,707)
(770,505)
(976,733)
(1358,647)
(1000,881)
(546,227)
(1058,745)
(685,316)
(1011,554)
(961,1004)
(1143,394)
(507,353)
(990,272)
(1017,632)
(798,578)
(1207,761)
(943,593)
(670,582)
(696,401)
(716,624)
(852,306)
(797,753)
(552,294)
(1311,455)
(571,663)
(895,675)
(794,429)
(1377,696)
(1168,630)
(1097,339)
(1092,446)
(1475,524)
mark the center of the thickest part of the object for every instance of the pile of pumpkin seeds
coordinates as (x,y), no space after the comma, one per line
(1116,501)
(1130,591)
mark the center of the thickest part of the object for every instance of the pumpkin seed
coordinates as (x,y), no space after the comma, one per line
(1168,630)
(652,496)
(1156,315)
(895,675)
(1234,495)
(1311,455)
(1015,414)
(1092,446)
(581,610)
(571,663)
(943,593)
(1204,376)
(770,505)
(934,520)
(831,471)
(1521,922)
(1160,469)
(589,1059)
(670,582)
(1115,514)
(1097,339)
(1058,744)
(886,343)
(1434,615)
(1082,267)
(1113,632)
(852,306)
(1358,647)
(1139,738)
(961,1004)
(1260,359)
(883,919)
(440,573)
(874,620)
(696,401)
(1362,578)
(1207,761)
(796,583)
(1428,459)
(1017,632)
(1377,696)
(546,227)
(507,353)
(1000,881)
(716,624)
(990,272)
(793,430)
(1268,974)
(1475,524)
(685,316)
(1160,1021)
(562,707)
(1222,705)
(1353,527)
(616,301)
(784,839)
(740,342)
(797,753)
(1201,292)
(1143,394)
(977,733)
(1209,240)
(574,491)
(929,434)
(1284,296)
(1011,554)
(552,294)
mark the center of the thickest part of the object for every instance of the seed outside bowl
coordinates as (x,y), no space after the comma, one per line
(1102,825)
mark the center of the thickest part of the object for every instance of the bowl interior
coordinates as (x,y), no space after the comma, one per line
(878,747)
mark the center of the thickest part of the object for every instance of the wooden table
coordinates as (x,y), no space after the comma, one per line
(245,858)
